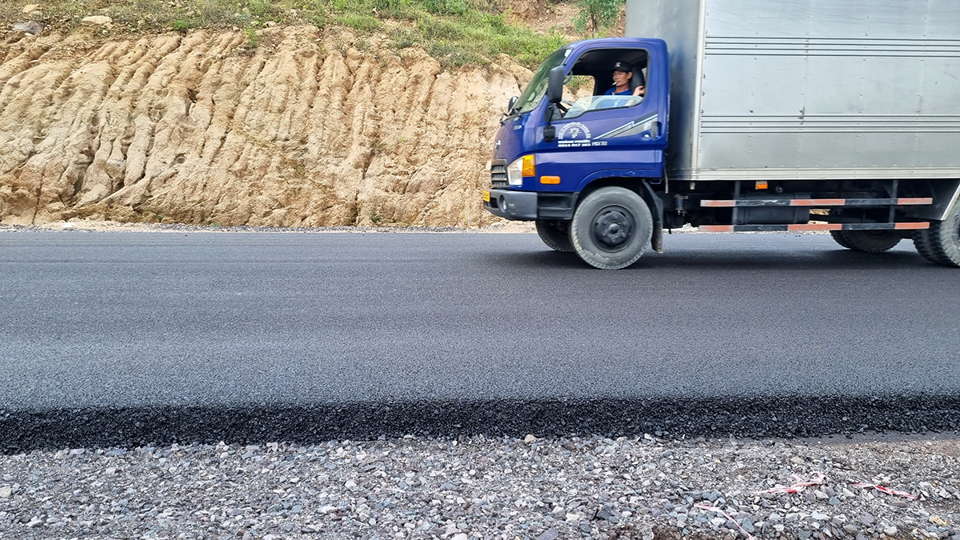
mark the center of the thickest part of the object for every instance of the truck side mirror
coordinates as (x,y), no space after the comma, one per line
(555,85)
(511,103)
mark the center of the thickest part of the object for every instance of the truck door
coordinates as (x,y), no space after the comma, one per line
(597,133)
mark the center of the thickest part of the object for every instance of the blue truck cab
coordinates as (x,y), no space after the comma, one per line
(550,152)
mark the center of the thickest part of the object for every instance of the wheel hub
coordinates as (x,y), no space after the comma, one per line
(612,227)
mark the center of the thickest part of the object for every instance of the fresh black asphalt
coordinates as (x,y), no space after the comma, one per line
(131,338)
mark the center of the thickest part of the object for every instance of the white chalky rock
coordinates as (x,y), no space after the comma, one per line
(98,20)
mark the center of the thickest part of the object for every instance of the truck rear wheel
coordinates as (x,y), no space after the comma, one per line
(944,238)
(871,241)
(924,244)
(555,234)
(611,228)
(838,238)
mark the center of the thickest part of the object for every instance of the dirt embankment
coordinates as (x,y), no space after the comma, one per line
(304,129)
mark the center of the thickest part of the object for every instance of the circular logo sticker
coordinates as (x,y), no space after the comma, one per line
(574,134)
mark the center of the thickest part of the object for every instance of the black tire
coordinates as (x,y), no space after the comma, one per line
(924,244)
(838,237)
(611,228)
(555,234)
(945,238)
(871,241)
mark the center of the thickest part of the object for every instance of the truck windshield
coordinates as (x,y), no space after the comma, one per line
(530,97)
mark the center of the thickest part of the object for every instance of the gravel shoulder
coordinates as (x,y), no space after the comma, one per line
(490,487)
(504,226)
(116,226)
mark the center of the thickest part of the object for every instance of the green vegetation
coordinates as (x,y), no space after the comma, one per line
(456,32)
(475,36)
(183,25)
(253,39)
(357,21)
(596,16)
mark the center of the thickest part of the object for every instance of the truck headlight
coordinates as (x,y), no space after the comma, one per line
(521,167)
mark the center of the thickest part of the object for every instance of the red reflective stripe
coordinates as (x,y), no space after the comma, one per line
(716,228)
(915,200)
(815,227)
(912,226)
(818,202)
(717,204)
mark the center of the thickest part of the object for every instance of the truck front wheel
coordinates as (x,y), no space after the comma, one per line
(611,228)
(555,234)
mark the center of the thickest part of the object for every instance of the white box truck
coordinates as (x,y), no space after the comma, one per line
(744,115)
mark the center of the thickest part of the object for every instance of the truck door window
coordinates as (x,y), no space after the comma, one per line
(596,103)
(575,88)
(597,66)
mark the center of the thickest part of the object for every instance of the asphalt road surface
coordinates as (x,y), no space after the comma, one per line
(123,337)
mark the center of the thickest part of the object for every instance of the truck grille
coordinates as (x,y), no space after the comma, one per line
(498,173)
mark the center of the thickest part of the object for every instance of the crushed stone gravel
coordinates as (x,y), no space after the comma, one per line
(88,226)
(484,487)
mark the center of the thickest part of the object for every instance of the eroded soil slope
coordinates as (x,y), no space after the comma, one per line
(303,130)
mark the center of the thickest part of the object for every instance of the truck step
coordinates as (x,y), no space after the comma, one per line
(904,226)
(817,203)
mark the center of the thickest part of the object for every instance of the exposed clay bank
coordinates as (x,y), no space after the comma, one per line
(304,130)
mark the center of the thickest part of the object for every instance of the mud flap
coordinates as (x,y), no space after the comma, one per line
(656,241)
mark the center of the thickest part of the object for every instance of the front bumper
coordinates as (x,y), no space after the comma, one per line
(517,205)
(529,205)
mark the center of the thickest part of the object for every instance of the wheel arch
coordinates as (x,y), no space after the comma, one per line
(639,185)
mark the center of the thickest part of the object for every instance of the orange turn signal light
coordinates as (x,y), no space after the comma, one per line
(529,166)
(762,185)
(549,179)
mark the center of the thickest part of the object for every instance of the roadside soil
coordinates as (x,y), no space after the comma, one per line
(310,128)
(305,128)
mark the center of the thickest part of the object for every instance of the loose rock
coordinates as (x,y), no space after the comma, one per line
(30,27)
(98,20)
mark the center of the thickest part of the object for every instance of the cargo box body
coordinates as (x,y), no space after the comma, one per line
(809,89)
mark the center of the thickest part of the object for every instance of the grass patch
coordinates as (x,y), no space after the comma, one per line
(456,32)
(185,25)
(253,38)
(475,38)
(358,21)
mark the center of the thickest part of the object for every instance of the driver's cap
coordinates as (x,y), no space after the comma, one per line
(625,67)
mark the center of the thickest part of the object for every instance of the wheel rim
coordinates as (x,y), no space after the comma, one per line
(612,227)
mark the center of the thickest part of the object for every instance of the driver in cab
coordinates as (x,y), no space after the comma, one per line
(622,74)
(618,95)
